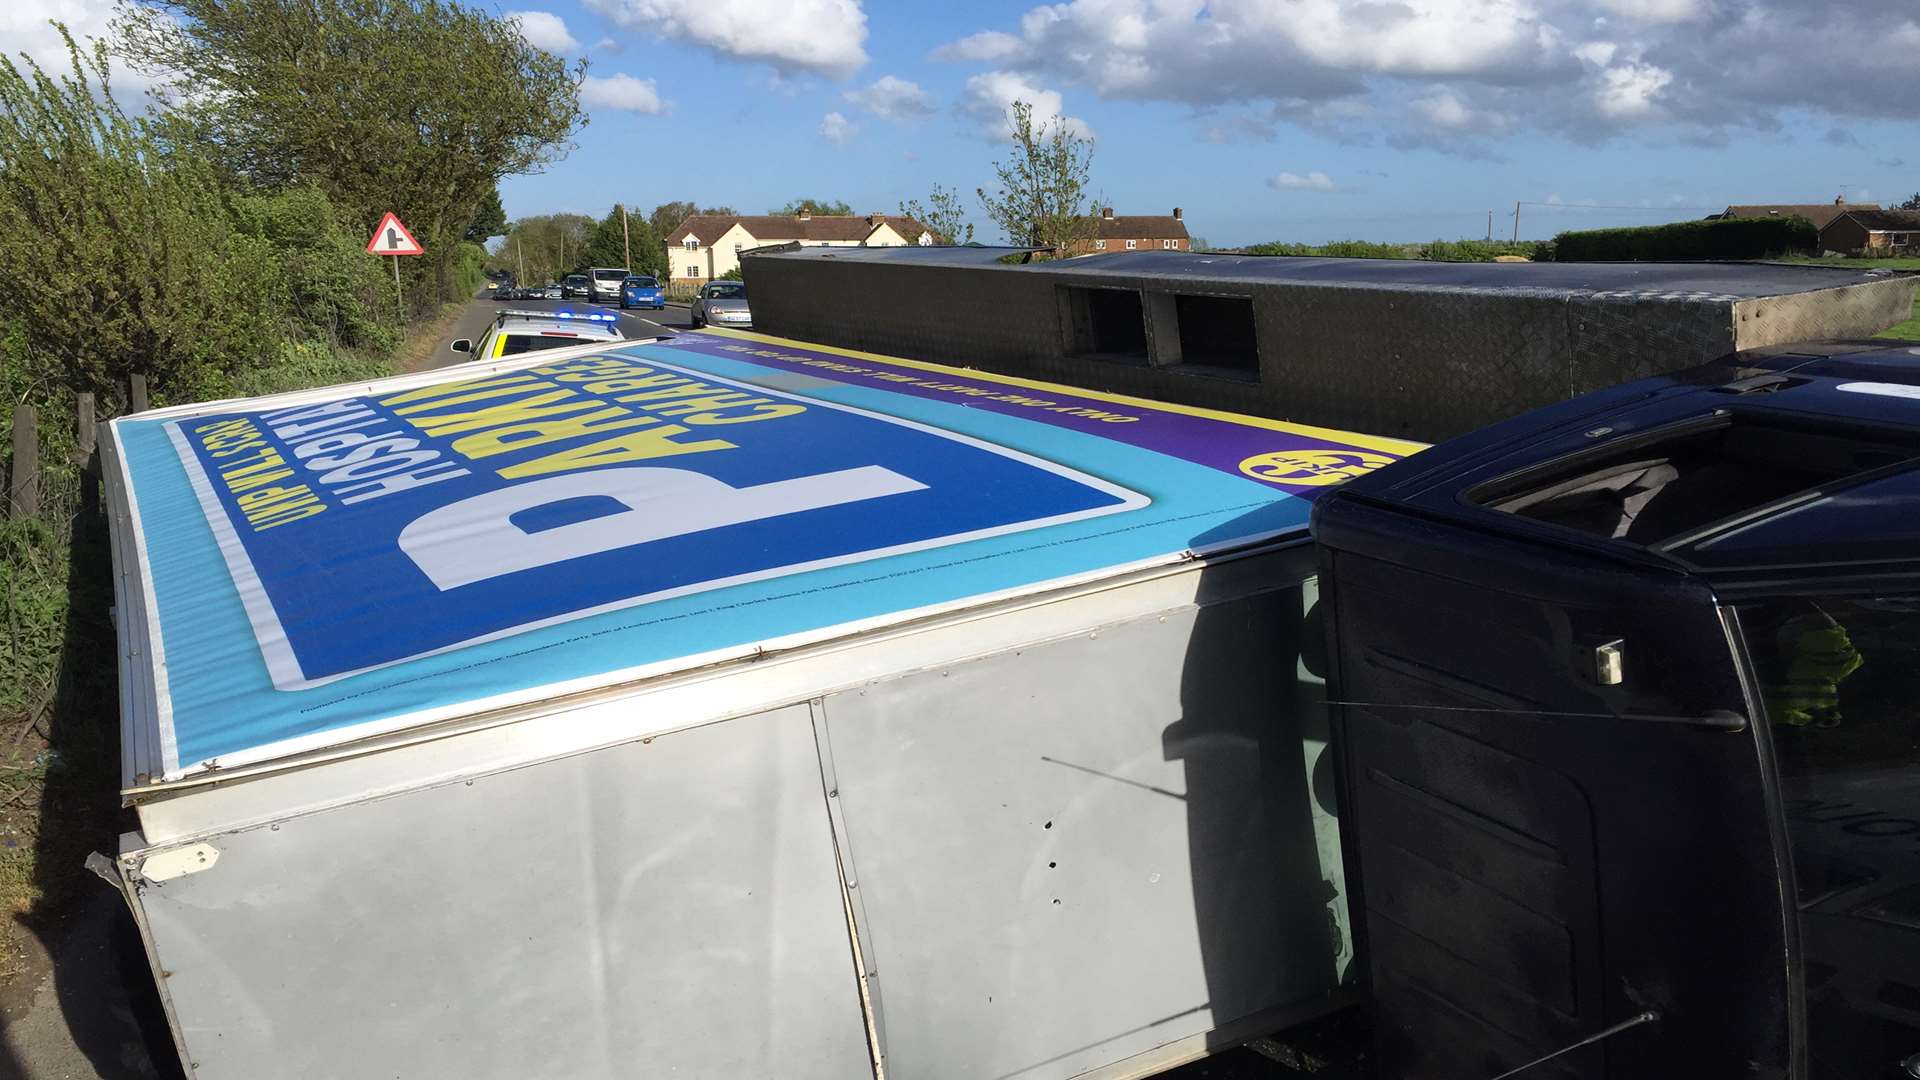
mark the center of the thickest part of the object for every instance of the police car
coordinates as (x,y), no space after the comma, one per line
(516,332)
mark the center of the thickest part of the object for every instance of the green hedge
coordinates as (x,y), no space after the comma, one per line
(1437,251)
(1737,238)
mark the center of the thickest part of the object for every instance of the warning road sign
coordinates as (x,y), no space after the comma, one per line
(392,238)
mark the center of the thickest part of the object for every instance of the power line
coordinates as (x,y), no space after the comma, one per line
(1612,206)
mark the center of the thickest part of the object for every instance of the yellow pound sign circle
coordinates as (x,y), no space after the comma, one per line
(1313,468)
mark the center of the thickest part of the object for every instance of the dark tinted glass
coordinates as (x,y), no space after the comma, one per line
(523,343)
(1657,490)
(1872,521)
(1840,681)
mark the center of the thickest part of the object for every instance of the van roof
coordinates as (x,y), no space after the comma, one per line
(308,570)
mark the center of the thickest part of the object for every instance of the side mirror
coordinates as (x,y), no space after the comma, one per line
(462,345)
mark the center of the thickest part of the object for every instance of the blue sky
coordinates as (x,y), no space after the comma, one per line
(1303,120)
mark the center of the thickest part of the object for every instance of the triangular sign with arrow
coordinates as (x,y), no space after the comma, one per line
(392,238)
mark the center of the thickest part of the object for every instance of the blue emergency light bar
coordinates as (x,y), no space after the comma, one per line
(585,316)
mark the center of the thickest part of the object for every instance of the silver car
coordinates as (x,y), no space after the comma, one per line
(721,303)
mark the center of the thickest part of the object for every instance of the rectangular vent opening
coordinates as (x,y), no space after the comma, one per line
(1106,324)
(1216,336)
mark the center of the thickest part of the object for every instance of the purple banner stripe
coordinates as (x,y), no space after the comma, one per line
(1299,463)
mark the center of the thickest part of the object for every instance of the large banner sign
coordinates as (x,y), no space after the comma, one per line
(371,530)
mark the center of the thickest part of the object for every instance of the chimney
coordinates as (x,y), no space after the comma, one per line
(806,215)
(874,219)
(1176,213)
(1840,199)
(1107,212)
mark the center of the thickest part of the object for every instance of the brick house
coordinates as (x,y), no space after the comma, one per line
(1879,232)
(1821,214)
(1136,232)
(707,246)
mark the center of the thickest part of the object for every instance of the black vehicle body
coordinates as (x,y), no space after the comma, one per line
(1627,710)
(576,287)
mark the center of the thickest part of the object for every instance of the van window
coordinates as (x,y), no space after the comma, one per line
(609,275)
(1839,682)
(1673,486)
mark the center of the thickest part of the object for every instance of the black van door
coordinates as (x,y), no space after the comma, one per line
(1564,821)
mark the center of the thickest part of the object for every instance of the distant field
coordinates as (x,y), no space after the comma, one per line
(1909,329)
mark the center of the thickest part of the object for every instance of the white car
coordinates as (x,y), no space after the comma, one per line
(603,283)
(516,332)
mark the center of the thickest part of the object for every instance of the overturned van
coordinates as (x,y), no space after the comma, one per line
(724,707)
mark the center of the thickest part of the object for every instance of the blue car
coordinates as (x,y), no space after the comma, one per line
(642,292)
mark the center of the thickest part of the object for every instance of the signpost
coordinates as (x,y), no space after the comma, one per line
(392,238)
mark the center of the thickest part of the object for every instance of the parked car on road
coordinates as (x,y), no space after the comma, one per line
(642,292)
(516,332)
(576,287)
(604,283)
(553,292)
(721,303)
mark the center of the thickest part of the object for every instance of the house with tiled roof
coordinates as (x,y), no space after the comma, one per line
(1821,214)
(708,246)
(1872,232)
(1136,232)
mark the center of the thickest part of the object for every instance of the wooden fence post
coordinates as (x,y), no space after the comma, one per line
(137,393)
(84,438)
(23,496)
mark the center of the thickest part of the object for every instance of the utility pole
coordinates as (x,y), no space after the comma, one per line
(1489,226)
(1516,222)
(626,238)
(520,254)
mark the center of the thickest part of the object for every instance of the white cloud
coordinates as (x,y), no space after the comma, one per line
(1597,53)
(1589,69)
(987,47)
(623,92)
(892,98)
(989,100)
(1659,11)
(544,30)
(826,37)
(1313,181)
(25,28)
(1447,112)
(837,129)
(1630,91)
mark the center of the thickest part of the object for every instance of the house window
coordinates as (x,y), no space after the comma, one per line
(692,243)
(1131,244)
(693,269)
(1100,245)
(1169,244)
(736,249)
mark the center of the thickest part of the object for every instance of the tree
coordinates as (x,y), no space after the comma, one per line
(1043,184)
(489,221)
(1911,204)
(822,207)
(667,216)
(610,240)
(414,106)
(943,214)
(135,255)
(544,247)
